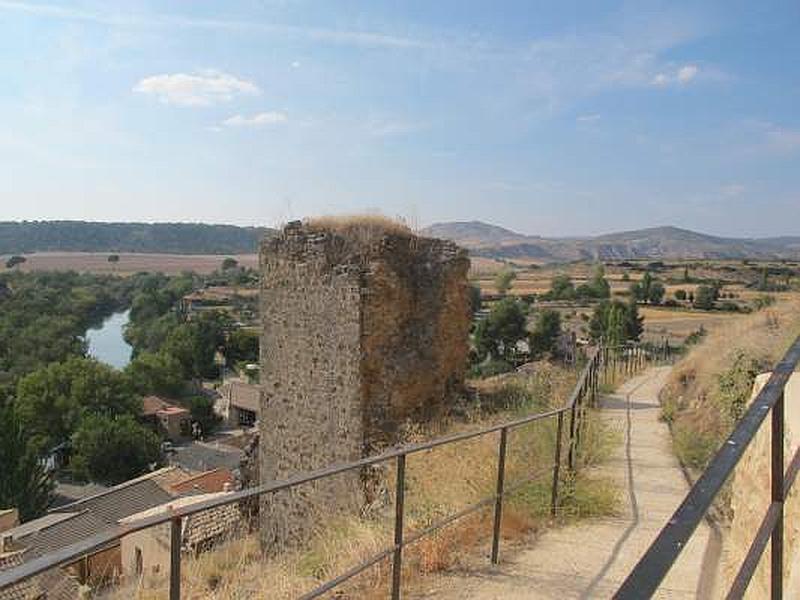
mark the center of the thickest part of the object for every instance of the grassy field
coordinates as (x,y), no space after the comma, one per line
(129,263)
(708,389)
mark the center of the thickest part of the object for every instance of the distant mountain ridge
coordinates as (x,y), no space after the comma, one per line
(25,237)
(483,239)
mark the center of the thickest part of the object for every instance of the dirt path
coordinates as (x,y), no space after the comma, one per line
(591,559)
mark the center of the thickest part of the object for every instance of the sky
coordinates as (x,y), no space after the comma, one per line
(562,118)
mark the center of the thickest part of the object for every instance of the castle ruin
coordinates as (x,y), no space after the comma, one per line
(365,328)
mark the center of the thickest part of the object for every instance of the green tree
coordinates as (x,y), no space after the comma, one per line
(113,258)
(51,401)
(656,294)
(24,482)
(194,344)
(202,409)
(546,331)
(503,281)
(600,287)
(229,263)
(242,346)
(497,335)
(704,297)
(763,283)
(680,295)
(562,288)
(14,261)
(474,298)
(155,373)
(111,450)
(645,284)
(616,322)
(634,323)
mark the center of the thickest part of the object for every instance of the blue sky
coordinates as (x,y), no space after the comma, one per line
(563,118)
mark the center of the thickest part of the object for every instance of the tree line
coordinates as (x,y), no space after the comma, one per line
(23,237)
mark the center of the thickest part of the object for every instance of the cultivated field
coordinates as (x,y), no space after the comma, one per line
(129,263)
(738,279)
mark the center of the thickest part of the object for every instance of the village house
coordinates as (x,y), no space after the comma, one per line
(240,404)
(73,522)
(146,553)
(170,420)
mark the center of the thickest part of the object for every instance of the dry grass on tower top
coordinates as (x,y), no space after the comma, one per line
(359,227)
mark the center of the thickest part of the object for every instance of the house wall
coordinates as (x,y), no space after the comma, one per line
(153,543)
(359,336)
(9,518)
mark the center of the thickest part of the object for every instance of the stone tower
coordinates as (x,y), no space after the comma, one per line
(365,327)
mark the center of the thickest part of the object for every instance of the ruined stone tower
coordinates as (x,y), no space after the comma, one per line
(365,327)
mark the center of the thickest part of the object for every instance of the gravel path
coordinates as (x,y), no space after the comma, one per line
(591,559)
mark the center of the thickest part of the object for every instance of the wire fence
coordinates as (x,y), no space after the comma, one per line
(604,367)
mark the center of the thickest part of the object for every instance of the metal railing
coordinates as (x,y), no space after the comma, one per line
(602,364)
(646,577)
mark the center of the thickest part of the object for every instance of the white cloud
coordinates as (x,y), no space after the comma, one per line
(588,118)
(382,127)
(687,73)
(661,80)
(258,120)
(201,88)
(296,64)
(681,76)
(110,16)
(732,190)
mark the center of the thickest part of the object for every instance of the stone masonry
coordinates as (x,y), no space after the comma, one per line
(364,329)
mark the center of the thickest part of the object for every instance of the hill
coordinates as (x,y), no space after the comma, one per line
(169,238)
(482,239)
(487,240)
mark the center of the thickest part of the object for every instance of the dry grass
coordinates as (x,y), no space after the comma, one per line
(439,483)
(706,389)
(363,228)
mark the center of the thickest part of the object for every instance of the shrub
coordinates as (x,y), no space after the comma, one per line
(497,335)
(503,281)
(704,297)
(491,368)
(202,409)
(735,385)
(546,331)
(112,450)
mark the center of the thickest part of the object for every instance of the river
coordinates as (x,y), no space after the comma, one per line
(106,342)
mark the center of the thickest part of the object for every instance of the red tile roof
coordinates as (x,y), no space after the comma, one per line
(152,404)
(208,482)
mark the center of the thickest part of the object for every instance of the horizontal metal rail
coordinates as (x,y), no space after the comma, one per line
(649,572)
(585,390)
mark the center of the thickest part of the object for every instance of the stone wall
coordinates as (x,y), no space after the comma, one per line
(750,499)
(361,332)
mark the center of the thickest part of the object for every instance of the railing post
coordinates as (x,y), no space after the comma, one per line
(579,401)
(399,513)
(175,559)
(571,449)
(776,573)
(498,504)
(557,465)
